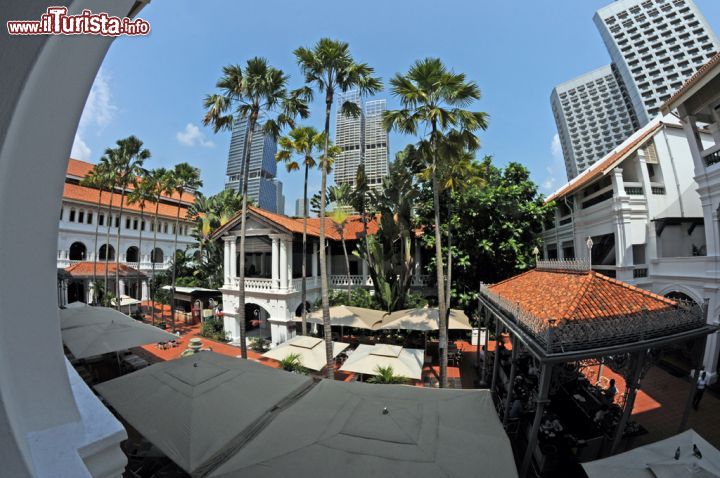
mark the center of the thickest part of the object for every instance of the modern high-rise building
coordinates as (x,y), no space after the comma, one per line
(361,139)
(299,206)
(593,116)
(262,183)
(279,197)
(655,46)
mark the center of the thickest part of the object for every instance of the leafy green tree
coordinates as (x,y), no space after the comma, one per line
(303,142)
(185,178)
(293,363)
(329,67)
(141,194)
(161,182)
(386,375)
(256,91)
(433,99)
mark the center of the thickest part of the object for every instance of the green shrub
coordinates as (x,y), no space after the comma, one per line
(213,329)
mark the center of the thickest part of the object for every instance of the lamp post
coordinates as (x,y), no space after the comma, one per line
(536,253)
(589,244)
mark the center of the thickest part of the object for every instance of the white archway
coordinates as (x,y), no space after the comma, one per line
(45,424)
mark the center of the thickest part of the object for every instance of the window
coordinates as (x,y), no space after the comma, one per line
(72,215)
(89,217)
(142,226)
(117,222)
(127,223)
(101,219)
(135,224)
(81,216)
(165,227)
(61,213)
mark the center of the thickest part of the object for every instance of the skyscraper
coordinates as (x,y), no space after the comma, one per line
(262,184)
(361,139)
(655,46)
(299,206)
(593,116)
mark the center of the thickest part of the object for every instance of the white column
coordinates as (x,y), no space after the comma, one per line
(121,289)
(275,262)
(144,291)
(364,272)
(233,258)
(315,259)
(91,292)
(418,266)
(283,265)
(289,247)
(226,262)
(618,182)
(328,259)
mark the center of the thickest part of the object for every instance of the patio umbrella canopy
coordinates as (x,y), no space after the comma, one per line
(311,351)
(90,331)
(360,430)
(343,315)
(657,460)
(425,319)
(126,300)
(200,409)
(367,358)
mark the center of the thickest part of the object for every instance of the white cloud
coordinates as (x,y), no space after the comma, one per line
(556,169)
(98,112)
(192,136)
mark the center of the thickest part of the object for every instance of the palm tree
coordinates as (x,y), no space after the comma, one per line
(359,201)
(386,375)
(329,67)
(293,363)
(162,181)
(109,162)
(127,161)
(99,178)
(257,91)
(433,98)
(301,141)
(186,178)
(142,193)
(340,197)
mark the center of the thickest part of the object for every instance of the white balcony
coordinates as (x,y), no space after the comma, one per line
(256,284)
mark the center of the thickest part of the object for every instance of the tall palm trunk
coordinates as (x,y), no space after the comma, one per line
(303,287)
(174,264)
(137,281)
(329,370)
(117,246)
(448,290)
(243,223)
(95,248)
(442,311)
(347,263)
(153,258)
(107,241)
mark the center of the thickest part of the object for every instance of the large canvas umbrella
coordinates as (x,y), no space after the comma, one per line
(347,316)
(90,331)
(355,430)
(310,351)
(673,457)
(200,409)
(367,358)
(425,319)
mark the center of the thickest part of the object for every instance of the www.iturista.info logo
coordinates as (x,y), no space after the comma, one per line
(56,21)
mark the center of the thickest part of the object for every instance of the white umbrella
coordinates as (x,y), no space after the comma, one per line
(425,319)
(126,300)
(310,351)
(347,316)
(367,358)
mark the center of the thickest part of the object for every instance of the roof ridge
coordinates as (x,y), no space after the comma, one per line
(645,292)
(579,295)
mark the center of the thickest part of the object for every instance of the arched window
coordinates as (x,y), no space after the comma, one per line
(156,255)
(110,252)
(78,251)
(131,255)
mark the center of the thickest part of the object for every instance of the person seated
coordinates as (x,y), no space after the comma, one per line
(610,392)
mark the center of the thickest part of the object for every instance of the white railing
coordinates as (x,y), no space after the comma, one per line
(344,280)
(335,281)
(575,265)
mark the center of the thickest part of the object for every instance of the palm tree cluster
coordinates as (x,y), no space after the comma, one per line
(433,101)
(121,171)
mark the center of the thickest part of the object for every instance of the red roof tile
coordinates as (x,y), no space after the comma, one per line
(564,295)
(85,269)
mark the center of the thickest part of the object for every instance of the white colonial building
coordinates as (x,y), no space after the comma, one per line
(650,222)
(273,270)
(79,220)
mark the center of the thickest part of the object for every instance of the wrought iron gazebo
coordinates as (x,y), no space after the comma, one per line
(563,312)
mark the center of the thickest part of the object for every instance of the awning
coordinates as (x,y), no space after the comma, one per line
(425,319)
(90,331)
(354,430)
(200,409)
(310,351)
(659,460)
(367,358)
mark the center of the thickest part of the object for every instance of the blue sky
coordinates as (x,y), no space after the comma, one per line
(516,51)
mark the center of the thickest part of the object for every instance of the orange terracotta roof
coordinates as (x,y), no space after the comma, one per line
(85,269)
(90,196)
(692,81)
(80,169)
(565,295)
(605,165)
(352,230)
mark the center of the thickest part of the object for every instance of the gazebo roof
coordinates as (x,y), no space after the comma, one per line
(82,270)
(563,307)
